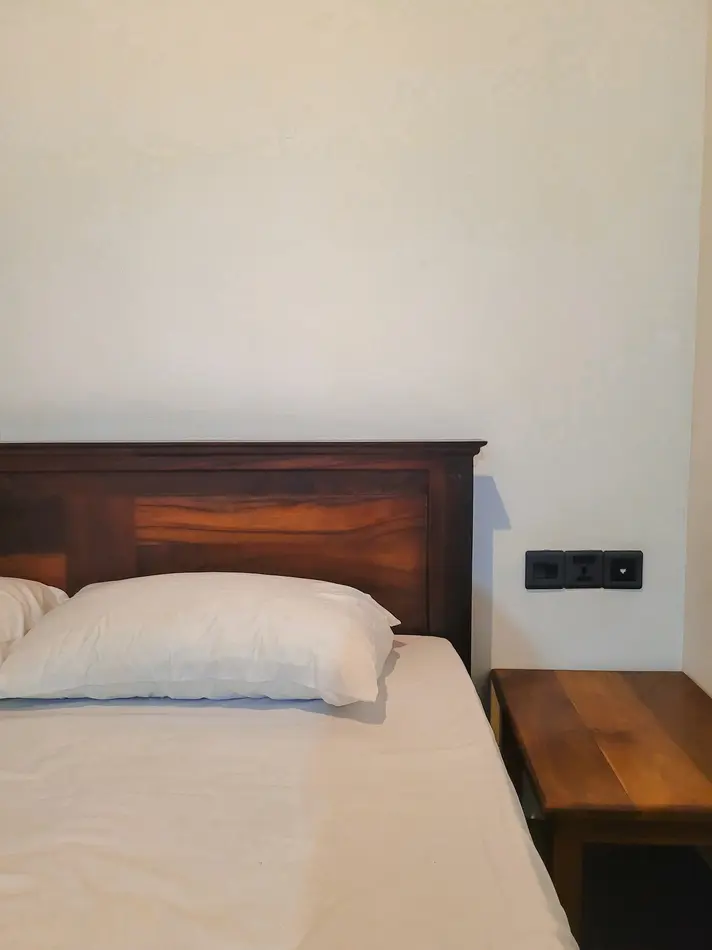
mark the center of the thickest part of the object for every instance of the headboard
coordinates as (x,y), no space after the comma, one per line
(391,518)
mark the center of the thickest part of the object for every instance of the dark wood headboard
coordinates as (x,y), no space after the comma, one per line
(392,518)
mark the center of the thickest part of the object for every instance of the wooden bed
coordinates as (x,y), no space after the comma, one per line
(391,518)
(258,822)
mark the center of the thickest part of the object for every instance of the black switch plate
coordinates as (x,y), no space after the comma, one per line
(544,570)
(623,570)
(583,569)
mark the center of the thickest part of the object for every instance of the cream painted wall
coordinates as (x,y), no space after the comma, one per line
(698,614)
(421,219)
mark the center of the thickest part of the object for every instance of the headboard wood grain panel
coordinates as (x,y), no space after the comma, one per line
(391,518)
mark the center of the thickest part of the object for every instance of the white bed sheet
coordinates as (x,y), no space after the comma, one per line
(257,825)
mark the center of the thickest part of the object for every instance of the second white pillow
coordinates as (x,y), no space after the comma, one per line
(22,604)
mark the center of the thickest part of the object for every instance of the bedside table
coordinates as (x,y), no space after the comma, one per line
(620,758)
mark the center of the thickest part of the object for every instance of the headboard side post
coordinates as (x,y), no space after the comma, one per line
(450,552)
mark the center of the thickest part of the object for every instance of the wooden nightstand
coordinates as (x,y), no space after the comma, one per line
(621,758)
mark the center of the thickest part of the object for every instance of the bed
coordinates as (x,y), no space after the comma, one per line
(251,823)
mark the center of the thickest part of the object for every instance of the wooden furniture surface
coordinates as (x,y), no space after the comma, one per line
(391,518)
(612,757)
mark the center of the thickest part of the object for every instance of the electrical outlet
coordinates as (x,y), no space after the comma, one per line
(544,570)
(583,569)
(623,570)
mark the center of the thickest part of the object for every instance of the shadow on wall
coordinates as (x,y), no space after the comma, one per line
(490,516)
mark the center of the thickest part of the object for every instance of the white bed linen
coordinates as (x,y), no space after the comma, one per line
(258,825)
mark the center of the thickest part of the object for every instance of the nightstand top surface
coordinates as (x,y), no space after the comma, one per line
(612,742)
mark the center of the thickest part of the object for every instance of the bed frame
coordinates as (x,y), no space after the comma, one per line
(391,518)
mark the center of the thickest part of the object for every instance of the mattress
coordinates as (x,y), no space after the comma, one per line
(259,825)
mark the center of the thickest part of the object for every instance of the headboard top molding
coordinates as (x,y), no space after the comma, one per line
(391,518)
(124,456)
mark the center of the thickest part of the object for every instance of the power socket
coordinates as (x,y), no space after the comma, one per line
(583,569)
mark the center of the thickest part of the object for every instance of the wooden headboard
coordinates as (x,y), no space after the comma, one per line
(391,518)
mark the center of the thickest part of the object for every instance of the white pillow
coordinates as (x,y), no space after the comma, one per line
(212,636)
(22,604)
